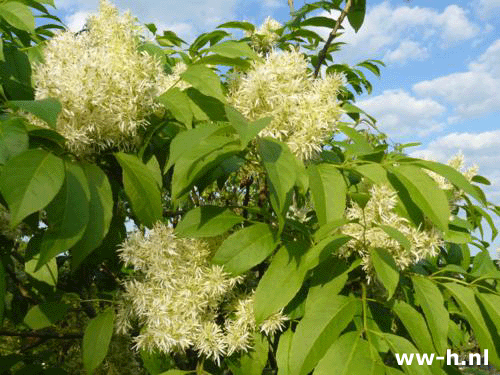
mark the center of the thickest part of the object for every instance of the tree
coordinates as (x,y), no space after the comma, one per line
(208,209)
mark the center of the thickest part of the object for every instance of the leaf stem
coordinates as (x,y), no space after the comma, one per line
(333,33)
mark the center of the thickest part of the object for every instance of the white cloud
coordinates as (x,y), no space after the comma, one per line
(407,49)
(489,61)
(399,114)
(201,15)
(475,92)
(455,25)
(273,4)
(385,26)
(487,8)
(76,21)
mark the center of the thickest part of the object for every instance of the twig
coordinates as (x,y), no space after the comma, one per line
(246,183)
(333,33)
(43,335)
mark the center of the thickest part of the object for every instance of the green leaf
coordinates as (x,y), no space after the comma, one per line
(156,362)
(452,175)
(195,167)
(356,14)
(207,221)
(233,49)
(15,74)
(386,269)
(279,164)
(242,25)
(401,345)
(246,248)
(424,192)
(375,70)
(329,191)
(204,80)
(13,139)
(253,362)
(491,303)
(176,372)
(324,320)
(212,37)
(47,273)
(186,141)
(465,298)
(67,214)
(205,107)
(374,172)
(319,22)
(361,143)
(141,188)
(282,357)
(349,355)
(96,339)
(45,314)
(431,301)
(281,281)
(45,109)
(169,38)
(155,169)
(481,180)
(246,130)
(417,328)
(100,214)
(483,265)
(29,181)
(18,15)
(397,235)
(226,61)
(178,103)
(324,249)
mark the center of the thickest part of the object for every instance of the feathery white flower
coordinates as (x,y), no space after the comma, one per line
(304,109)
(265,37)
(178,298)
(367,234)
(105,85)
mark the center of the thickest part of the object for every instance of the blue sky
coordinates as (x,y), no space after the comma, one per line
(441,85)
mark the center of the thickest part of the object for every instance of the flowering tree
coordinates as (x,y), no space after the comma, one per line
(223,208)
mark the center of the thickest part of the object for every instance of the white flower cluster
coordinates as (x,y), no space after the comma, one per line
(367,234)
(265,37)
(179,298)
(105,85)
(304,109)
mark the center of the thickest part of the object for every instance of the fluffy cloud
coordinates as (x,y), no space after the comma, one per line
(385,26)
(475,92)
(487,8)
(407,50)
(77,20)
(399,114)
(187,17)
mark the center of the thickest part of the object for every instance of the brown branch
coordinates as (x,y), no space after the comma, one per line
(43,335)
(333,33)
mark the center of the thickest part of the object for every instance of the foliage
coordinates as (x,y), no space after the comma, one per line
(220,236)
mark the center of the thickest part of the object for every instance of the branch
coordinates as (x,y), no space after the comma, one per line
(332,35)
(43,335)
